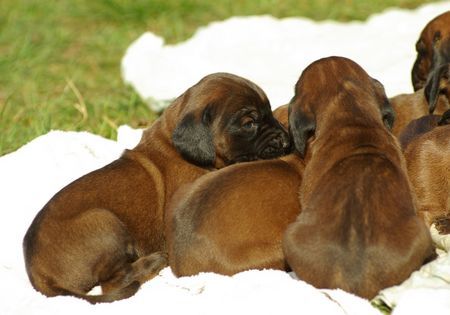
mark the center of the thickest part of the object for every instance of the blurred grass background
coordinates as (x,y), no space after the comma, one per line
(60,59)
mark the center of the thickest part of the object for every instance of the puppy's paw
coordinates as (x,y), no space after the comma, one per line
(442,224)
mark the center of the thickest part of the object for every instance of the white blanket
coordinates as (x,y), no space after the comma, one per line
(30,176)
(273,52)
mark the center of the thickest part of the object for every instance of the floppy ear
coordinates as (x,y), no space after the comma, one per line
(417,73)
(301,127)
(387,114)
(433,86)
(445,119)
(193,139)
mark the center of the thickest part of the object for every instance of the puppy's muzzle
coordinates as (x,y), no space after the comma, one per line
(274,144)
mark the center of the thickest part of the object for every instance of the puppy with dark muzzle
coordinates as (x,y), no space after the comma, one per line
(106,228)
(428,162)
(433,49)
(358,229)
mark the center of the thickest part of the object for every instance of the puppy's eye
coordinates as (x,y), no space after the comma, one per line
(248,123)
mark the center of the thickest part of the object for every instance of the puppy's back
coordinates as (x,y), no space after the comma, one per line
(362,229)
(233,219)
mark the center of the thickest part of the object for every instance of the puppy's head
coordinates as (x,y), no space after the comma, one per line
(433,49)
(332,85)
(227,119)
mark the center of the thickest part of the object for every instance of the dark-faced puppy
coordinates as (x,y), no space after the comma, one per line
(282,115)
(433,49)
(419,126)
(428,162)
(234,219)
(434,97)
(358,229)
(106,228)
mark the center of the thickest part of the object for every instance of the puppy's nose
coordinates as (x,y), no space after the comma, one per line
(285,142)
(277,143)
(281,142)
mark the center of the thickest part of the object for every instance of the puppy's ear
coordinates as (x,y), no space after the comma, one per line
(445,119)
(193,139)
(387,112)
(301,127)
(417,73)
(439,77)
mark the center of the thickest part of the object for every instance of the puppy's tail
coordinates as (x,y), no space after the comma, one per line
(127,281)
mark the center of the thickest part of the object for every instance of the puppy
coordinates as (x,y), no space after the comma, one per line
(420,126)
(428,161)
(234,219)
(106,228)
(358,229)
(434,97)
(433,49)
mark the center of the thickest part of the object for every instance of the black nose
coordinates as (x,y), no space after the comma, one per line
(282,142)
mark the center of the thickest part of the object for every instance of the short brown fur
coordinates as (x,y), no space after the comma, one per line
(434,97)
(281,114)
(358,229)
(428,162)
(234,219)
(106,228)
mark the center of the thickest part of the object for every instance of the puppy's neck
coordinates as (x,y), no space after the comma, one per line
(352,131)
(156,145)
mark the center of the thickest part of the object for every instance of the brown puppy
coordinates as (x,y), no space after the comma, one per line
(282,115)
(358,229)
(433,49)
(419,126)
(433,98)
(428,162)
(106,228)
(234,219)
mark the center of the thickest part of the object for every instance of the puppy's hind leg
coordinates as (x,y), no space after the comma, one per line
(71,255)
(135,273)
(119,269)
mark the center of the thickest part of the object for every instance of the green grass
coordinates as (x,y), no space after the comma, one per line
(60,59)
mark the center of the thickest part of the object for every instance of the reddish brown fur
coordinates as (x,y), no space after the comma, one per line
(106,228)
(234,219)
(428,162)
(409,107)
(282,115)
(433,49)
(422,125)
(358,229)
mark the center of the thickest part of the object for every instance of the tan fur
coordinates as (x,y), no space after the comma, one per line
(428,162)
(106,228)
(234,219)
(409,107)
(358,229)
(281,114)
(418,127)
